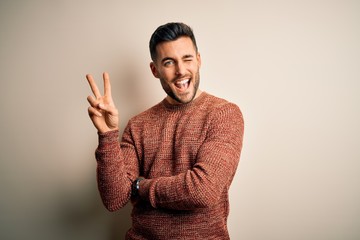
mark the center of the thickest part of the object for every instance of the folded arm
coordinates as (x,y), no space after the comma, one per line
(212,174)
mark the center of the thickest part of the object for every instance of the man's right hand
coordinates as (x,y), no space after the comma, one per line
(102,110)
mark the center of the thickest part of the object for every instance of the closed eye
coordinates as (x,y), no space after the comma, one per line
(188,58)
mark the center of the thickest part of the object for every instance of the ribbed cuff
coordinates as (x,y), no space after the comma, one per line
(108,137)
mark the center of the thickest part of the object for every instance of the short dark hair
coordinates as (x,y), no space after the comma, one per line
(170,32)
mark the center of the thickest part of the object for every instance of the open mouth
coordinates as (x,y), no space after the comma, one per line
(183,84)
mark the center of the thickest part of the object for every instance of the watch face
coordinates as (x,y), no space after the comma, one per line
(135,186)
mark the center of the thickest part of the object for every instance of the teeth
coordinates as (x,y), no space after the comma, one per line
(182,83)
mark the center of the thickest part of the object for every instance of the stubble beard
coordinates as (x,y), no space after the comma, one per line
(174,96)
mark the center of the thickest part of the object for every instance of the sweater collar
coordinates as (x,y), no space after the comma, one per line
(194,102)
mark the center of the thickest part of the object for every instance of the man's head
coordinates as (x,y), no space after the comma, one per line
(170,32)
(176,62)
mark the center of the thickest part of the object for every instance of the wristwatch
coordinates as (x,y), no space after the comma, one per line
(135,186)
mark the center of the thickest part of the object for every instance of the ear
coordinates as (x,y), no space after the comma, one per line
(154,70)
(198,57)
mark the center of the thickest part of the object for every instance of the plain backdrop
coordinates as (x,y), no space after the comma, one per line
(293,67)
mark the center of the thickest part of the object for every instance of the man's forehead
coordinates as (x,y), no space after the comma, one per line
(182,45)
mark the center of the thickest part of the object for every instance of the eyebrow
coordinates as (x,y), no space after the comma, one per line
(188,56)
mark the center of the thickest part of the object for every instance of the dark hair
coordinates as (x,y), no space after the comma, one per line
(170,32)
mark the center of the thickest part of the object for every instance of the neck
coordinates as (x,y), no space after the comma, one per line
(174,102)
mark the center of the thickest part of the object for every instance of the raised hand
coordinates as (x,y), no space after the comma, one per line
(102,110)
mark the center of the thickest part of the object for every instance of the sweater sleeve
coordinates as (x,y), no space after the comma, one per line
(217,161)
(117,167)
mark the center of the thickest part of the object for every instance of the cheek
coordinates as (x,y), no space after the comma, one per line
(168,75)
(194,67)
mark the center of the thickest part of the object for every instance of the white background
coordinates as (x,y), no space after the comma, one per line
(293,67)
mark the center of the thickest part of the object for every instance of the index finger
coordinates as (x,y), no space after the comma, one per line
(93,86)
(107,85)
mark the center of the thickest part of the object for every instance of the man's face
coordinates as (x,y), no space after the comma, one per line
(177,66)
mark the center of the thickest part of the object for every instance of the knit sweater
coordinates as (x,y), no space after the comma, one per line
(188,155)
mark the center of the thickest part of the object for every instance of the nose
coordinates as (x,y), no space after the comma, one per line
(180,69)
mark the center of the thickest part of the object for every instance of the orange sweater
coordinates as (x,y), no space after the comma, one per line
(188,155)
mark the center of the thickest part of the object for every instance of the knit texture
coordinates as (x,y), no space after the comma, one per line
(188,155)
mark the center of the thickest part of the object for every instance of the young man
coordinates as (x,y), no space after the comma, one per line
(176,160)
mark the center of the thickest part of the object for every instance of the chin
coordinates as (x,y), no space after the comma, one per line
(186,99)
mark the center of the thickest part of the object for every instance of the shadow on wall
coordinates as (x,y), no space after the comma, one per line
(120,223)
(134,89)
(84,216)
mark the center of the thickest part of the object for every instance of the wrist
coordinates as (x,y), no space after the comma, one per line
(106,130)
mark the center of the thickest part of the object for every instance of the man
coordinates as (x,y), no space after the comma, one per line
(176,160)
